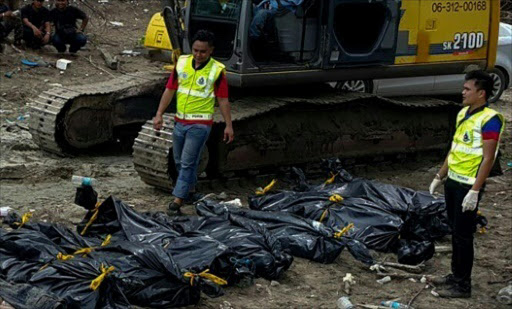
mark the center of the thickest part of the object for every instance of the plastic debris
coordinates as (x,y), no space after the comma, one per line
(116,23)
(62,64)
(384,280)
(236,202)
(29,63)
(505,295)
(4,211)
(344,303)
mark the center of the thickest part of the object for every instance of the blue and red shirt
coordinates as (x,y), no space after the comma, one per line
(490,130)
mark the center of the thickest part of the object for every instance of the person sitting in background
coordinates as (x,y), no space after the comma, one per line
(9,22)
(64,18)
(36,25)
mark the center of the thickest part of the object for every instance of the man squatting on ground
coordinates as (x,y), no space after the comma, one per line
(64,19)
(36,24)
(8,23)
(198,79)
(468,164)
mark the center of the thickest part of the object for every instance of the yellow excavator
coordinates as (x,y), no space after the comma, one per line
(278,60)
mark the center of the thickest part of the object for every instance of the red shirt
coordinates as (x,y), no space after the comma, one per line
(220,91)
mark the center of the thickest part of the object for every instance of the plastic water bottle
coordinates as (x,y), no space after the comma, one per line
(505,295)
(344,303)
(395,305)
(85,181)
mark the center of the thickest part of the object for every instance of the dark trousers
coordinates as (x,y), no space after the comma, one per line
(463,227)
(30,39)
(75,41)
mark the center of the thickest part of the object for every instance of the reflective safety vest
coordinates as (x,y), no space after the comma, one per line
(195,94)
(466,152)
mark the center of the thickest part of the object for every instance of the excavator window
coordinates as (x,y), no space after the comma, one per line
(220,17)
(356,34)
(285,34)
(220,9)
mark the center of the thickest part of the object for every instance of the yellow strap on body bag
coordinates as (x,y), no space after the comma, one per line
(104,272)
(335,198)
(206,275)
(24,219)
(344,231)
(267,188)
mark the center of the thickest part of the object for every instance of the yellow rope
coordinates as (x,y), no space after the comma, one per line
(104,272)
(335,198)
(92,219)
(344,231)
(83,251)
(106,241)
(24,219)
(205,274)
(64,257)
(331,180)
(267,188)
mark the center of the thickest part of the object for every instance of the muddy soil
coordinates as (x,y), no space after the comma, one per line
(31,180)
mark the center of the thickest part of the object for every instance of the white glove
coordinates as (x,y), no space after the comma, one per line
(470,201)
(435,183)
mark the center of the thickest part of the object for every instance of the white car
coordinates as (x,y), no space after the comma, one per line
(441,84)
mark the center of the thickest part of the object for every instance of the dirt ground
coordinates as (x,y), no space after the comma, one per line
(31,180)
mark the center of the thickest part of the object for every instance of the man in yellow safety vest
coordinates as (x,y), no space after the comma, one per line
(198,80)
(468,164)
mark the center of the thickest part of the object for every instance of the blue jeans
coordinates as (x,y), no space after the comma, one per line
(188,143)
(75,41)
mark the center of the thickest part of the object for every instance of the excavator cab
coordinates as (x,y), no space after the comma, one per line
(298,37)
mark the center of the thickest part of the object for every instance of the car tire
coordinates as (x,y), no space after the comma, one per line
(356,85)
(499,84)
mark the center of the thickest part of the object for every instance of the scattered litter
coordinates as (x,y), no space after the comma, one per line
(129,52)
(344,303)
(394,304)
(348,281)
(102,1)
(4,211)
(223,196)
(146,10)
(226,305)
(55,85)
(46,80)
(509,164)
(384,280)
(433,292)
(62,64)
(29,63)
(412,280)
(505,295)
(423,279)
(236,202)
(377,268)
(116,23)
(259,288)
(274,283)
(23,117)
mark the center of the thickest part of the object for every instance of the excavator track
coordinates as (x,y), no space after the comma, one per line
(153,150)
(48,110)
